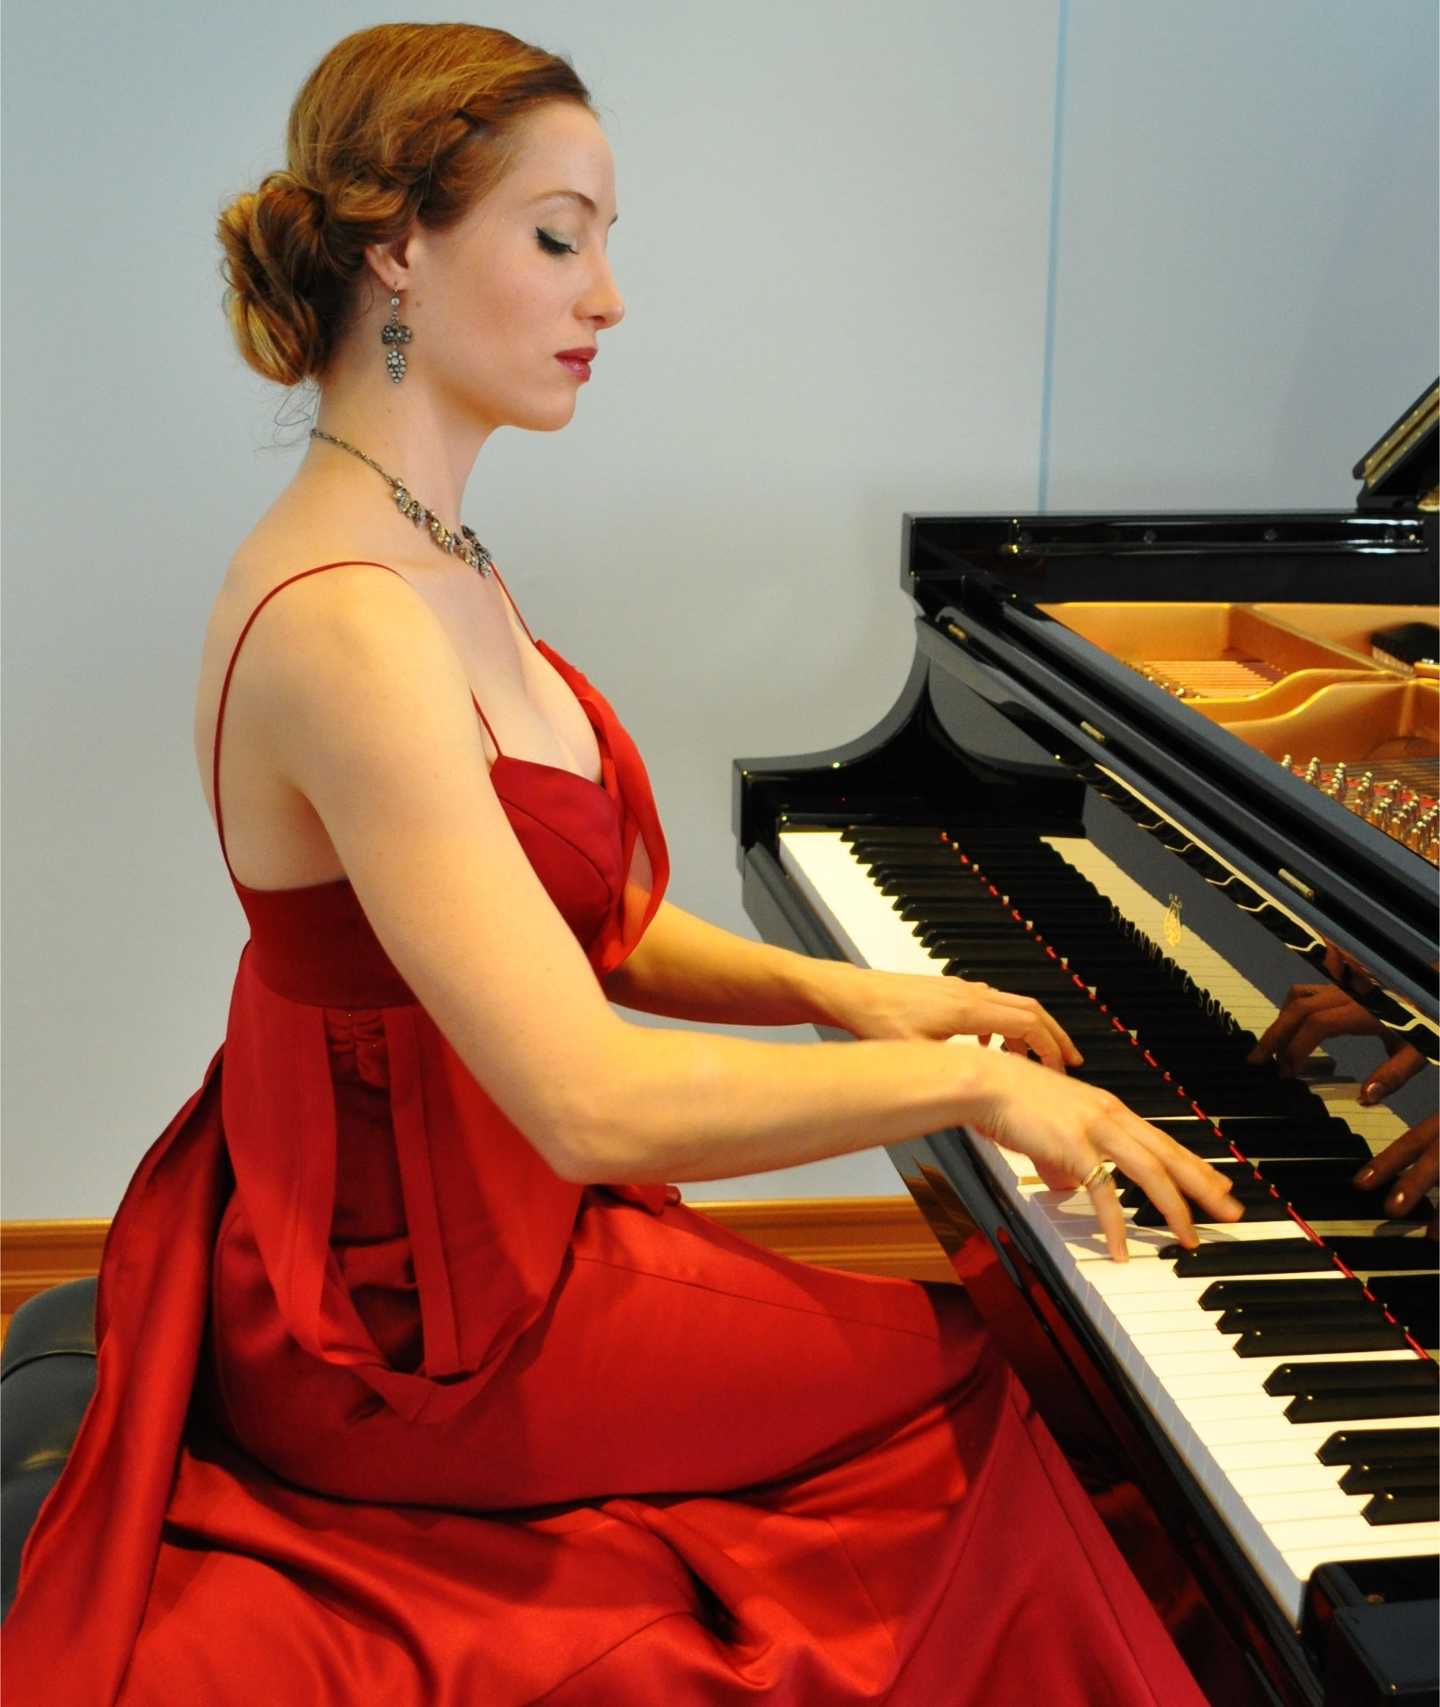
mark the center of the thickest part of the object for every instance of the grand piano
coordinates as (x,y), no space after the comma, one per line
(1156,770)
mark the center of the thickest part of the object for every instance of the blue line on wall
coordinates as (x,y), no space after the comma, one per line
(1047,379)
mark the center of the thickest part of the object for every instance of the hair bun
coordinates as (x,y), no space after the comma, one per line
(276,265)
(284,186)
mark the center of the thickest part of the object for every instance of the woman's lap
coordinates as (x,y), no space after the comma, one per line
(891,1486)
(674,1357)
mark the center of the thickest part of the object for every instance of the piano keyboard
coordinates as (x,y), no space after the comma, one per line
(1218,1371)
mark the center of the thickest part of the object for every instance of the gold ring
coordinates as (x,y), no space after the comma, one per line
(1100,1171)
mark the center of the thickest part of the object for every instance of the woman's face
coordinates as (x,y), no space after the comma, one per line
(508,305)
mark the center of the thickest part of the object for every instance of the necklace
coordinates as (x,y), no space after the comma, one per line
(463,545)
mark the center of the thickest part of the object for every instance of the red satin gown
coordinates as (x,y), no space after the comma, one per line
(386,1412)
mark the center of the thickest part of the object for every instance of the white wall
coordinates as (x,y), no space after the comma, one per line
(1245,276)
(835,244)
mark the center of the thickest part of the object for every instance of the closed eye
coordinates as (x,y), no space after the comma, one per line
(552,245)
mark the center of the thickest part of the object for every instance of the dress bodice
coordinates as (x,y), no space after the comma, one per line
(482,1221)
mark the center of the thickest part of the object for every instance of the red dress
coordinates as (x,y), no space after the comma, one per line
(387,1412)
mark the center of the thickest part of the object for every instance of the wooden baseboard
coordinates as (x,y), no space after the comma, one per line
(37,1254)
(868,1235)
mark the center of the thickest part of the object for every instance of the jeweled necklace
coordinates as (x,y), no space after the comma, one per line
(463,545)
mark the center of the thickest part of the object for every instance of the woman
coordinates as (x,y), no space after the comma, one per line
(417,1382)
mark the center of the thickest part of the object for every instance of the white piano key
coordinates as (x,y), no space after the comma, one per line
(1283,1480)
(1232,1441)
(1231,1374)
(1376,1542)
(1236,1380)
(1284,1508)
(1278,1450)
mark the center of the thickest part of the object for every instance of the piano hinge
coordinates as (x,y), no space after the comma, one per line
(1094,733)
(1296,883)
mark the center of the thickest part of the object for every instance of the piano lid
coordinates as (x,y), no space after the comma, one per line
(1401,469)
(1079,626)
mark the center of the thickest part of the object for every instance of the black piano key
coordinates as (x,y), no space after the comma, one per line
(1300,1341)
(1269,1140)
(1414,1373)
(1228,1294)
(994,964)
(891,835)
(1301,1172)
(1391,1473)
(1403,1505)
(1357,1445)
(1411,1299)
(1323,1204)
(1360,1404)
(1377,1253)
(1339,1316)
(1245,1189)
(1248,1256)
(1264,1139)
(1260,1209)
(1313,1206)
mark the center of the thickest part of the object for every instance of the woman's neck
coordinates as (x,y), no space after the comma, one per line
(415,438)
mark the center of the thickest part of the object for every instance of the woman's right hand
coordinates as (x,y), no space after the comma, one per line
(1066,1127)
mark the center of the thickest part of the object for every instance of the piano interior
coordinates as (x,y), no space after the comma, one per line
(1318,688)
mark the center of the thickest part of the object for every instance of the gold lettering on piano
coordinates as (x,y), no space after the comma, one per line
(1174,930)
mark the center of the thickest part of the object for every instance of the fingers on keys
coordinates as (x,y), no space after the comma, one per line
(1031,1030)
(1108,1212)
(1168,1174)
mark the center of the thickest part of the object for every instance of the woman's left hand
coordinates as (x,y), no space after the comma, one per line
(913,1005)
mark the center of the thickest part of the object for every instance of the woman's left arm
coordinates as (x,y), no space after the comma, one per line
(688,969)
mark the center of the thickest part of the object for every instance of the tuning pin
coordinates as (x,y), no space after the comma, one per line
(1365,789)
(1384,801)
(1288,762)
(1402,817)
(1312,770)
(1335,786)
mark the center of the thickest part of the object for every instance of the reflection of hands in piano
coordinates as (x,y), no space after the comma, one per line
(1067,1128)
(907,1005)
(1413,1162)
(1311,1014)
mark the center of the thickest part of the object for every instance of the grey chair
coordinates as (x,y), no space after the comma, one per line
(47,1377)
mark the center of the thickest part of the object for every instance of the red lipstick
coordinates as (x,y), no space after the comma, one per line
(577,361)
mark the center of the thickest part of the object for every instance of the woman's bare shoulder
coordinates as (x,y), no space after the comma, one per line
(271,558)
(295,625)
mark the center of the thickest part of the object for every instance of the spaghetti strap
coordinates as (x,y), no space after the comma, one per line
(344,562)
(230,670)
(494,569)
(499,752)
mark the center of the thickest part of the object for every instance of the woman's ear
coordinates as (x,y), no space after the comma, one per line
(389,264)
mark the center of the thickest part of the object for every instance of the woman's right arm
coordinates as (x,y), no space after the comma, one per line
(368,715)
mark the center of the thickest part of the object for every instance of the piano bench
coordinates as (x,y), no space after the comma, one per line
(47,1377)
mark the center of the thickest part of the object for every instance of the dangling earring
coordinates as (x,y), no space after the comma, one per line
(393,334)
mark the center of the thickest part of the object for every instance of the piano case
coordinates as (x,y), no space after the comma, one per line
(1030,703)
